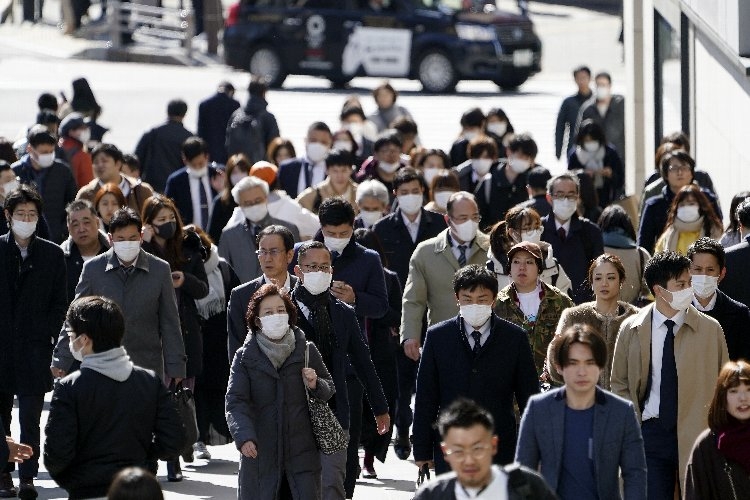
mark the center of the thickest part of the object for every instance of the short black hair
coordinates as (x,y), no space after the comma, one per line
(581,69)
(320,127)
(710,246)
(108,149)
(100,318)
(406,175)
(47,101)
(39,136)
(310,245)
(743,214)
(579,333)
(680,155)
(286,235)
(525,144)
(591,129)
(352,110)
(473,117)
(124,217)
(336,211)
(131,161)
(472,276)
(615,217)
(679,138)
(385,138)
(538,177)
(464,413)
(404,125)
(664,266)
(24,193)
(134,483)
(47,117)
(604,74)
(339,157)
(80,204)
(177,108)
(194,146)
(258,86)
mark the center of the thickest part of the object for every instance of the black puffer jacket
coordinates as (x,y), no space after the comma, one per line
(98,426)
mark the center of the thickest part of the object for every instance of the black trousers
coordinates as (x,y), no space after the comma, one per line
(383,351)
(407,380)
(29,415)
(356,391)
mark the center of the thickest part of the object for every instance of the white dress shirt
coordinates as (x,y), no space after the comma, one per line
(658,334)
(412,227)
(456,251)
(317,176)
(287,284)
(565,226)
(195,197)
(484,330)
(709,307)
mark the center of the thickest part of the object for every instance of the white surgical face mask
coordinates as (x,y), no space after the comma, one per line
(45,160)
(317,282)
(255,213)
(476,314)
(429,174)
(23,229)
(370,217)
(602,92)
(84,135)
(533,236)
(681,299)
(77,355)
(481,166)
(688,213)
(127,251)
(275,326)
(518,165)
(564,209)
(237,177)
(197,173)
(591,146)
(316,151)
(470,134)
(704,286)
(388,168)
(335,244)
(343,145)
(355,128)
(466,231)
(442,197)
(410,203)
(497,128)
(9,186)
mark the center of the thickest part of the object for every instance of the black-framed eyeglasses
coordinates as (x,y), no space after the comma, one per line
(274,252)
(314,268)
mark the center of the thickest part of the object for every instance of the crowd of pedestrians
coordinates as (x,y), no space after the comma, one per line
(521,329)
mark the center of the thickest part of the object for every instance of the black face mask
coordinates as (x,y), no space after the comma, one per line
(166,230)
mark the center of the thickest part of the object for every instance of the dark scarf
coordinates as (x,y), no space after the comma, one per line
(320,319)
(734,443)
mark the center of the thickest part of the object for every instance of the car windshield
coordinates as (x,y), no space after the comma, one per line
(449,6)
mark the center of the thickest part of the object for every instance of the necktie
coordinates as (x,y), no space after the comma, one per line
(204,203)
(668,388)
(127,270)
(462,255)
(476,336)
(561,233)
(334,256)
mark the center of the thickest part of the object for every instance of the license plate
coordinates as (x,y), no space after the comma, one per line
(523,57)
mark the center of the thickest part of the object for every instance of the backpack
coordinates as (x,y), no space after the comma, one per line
(245,135)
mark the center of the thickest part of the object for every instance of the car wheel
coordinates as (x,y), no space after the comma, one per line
(436,72)
(265,62)
(511,82)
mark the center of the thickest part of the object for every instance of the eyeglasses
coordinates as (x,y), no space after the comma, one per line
(477,452)
(274,252)
(561,197)
(679,168)
(461,220)
(314,268)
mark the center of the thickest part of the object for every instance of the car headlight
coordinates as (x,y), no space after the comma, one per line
(476,32)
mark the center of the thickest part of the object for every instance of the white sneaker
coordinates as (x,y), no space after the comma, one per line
(201,451)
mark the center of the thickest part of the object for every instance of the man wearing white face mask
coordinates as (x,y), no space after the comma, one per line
(334,329)
(385,162)
(475,355)
(575,240)
(606,109)
(707,269)
(297,174)
(74,138)
(193,186)
(52,179)
(32,305)
(666,360)
(238,242)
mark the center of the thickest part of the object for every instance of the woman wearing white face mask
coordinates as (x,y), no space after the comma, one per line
(523,224)
(237,168)
(442,187)
(372,199)
(499,128)
(600,161)
(431,162)
(690,216)
(266,402)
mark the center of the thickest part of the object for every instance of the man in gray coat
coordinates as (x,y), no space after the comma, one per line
(141,285)
(238,243)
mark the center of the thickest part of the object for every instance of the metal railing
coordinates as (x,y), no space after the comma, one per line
(166,27)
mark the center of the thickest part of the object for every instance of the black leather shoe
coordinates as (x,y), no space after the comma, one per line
(174,471)
(26,490)
(402,446)
(7,488)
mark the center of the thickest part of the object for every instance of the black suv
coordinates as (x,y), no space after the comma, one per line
(433,41)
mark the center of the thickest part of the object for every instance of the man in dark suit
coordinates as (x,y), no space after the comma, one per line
(536,184)
(400,233)
(192,186)
(475,355)
(707,270)
(580,437)
(10,451)
(735,282)
(297,174)
(332,325)
(575,241)
(159,149)
(213,115)
(85,241)
(275,253)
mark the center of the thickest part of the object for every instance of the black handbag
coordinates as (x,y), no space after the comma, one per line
(184,402)
(329,435)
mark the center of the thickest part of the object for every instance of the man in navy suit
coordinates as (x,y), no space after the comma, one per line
(297,174)
(735,282)
(475,355)
(192,186)
(583,437)
(213,115)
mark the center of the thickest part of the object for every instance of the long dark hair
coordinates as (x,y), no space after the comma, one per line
(710,219)
(172,251)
